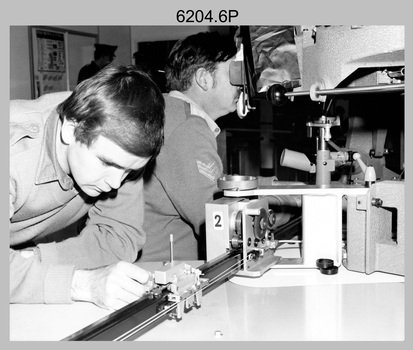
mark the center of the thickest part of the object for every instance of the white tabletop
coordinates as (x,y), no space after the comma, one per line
(284,304)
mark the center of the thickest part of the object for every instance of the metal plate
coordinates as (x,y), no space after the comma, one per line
(237,182)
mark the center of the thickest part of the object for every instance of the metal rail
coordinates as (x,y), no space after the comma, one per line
(351,90)
(135,319)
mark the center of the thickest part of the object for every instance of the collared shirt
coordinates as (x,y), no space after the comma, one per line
(49,168)
(44,201)
(197,110)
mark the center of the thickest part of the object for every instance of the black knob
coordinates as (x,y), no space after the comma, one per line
(276,94)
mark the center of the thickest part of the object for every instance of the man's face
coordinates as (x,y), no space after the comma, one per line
(106,60)
(102,166)
(224,96)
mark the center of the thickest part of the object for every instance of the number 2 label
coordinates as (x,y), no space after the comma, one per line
(217,220)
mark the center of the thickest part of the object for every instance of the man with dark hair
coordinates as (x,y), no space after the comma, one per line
(185,173)
(79,153)
(103,55)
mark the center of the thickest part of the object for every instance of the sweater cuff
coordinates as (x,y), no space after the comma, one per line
(57,284)
(48,253)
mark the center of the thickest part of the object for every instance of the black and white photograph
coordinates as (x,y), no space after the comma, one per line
(203,175)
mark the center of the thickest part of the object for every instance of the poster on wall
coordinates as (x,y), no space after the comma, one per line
(49,62)
(51,49)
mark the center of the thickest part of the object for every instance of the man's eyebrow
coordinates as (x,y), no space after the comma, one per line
(111,163)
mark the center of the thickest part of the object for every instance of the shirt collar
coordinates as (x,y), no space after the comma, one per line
(197,110)
(49,168)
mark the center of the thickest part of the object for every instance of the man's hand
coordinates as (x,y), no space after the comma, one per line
(110,287)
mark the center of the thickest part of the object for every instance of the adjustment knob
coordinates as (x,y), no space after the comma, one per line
(276,95)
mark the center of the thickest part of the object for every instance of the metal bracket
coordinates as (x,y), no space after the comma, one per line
(361,203)
(184,283)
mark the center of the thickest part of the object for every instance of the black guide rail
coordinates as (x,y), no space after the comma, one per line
(137,318)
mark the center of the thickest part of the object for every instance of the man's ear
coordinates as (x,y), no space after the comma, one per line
(68,131)
(204,79)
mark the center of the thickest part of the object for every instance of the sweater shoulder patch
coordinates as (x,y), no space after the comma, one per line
(209,170)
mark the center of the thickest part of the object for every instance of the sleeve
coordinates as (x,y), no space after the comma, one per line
(189,166)
(113,232)
(34,281)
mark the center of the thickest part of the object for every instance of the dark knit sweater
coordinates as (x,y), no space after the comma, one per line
(183,180)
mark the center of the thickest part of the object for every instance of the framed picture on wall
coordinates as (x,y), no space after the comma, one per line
(56,57)
(48,51)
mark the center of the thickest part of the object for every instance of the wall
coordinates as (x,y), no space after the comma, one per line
(126,37)
(158,33)
(20,84)
(119,36)
(20,61)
